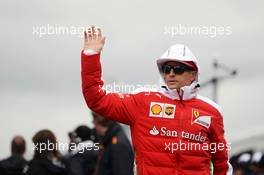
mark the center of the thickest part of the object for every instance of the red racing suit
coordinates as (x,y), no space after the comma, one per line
(170,136)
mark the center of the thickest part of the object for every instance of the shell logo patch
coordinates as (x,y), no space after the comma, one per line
(162,110)
(156,109)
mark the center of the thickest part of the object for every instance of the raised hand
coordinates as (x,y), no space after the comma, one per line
(93,39)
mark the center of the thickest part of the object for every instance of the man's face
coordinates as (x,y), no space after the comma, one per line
(99,128)
(178,80)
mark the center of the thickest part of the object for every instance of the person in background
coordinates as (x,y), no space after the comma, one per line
(116,154)
(241,163)
(47,160)
(257,163)
(249,162)
(15,164)
(83,152)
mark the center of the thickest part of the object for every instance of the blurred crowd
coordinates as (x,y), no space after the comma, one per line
(103,150)
(248,163)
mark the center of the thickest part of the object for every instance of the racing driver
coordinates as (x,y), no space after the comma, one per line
(172,128)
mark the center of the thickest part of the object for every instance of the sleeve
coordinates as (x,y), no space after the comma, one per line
(221,165)
(117,107)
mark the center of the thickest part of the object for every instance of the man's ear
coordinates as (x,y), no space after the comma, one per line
(194,74)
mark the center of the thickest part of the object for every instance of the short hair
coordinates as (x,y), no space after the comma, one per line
(102,120)
(18,145)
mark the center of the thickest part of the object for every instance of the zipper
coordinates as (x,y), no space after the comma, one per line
(181,106)
(179,139)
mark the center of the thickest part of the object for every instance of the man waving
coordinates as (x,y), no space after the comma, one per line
(174,131)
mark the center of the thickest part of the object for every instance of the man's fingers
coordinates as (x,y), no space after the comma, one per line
(99,33)
(85,36)
(89,33)
(93,39)
(93,32)
(93,29)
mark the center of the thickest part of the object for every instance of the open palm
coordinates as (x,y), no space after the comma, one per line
(93,39)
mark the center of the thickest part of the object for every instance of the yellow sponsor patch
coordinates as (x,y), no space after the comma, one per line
(162,110)
(156,109)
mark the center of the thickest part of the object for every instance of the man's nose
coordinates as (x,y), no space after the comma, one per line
(172,73)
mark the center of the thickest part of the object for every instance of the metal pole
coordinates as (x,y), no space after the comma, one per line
(215,88)
(215,80)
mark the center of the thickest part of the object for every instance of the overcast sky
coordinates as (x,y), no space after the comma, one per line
(40,83)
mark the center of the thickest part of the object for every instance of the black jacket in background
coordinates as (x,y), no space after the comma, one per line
(117,155)
(13,165)
(82,163)
(45,167)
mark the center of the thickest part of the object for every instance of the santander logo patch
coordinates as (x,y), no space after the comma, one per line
(154,131)
(163,132)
